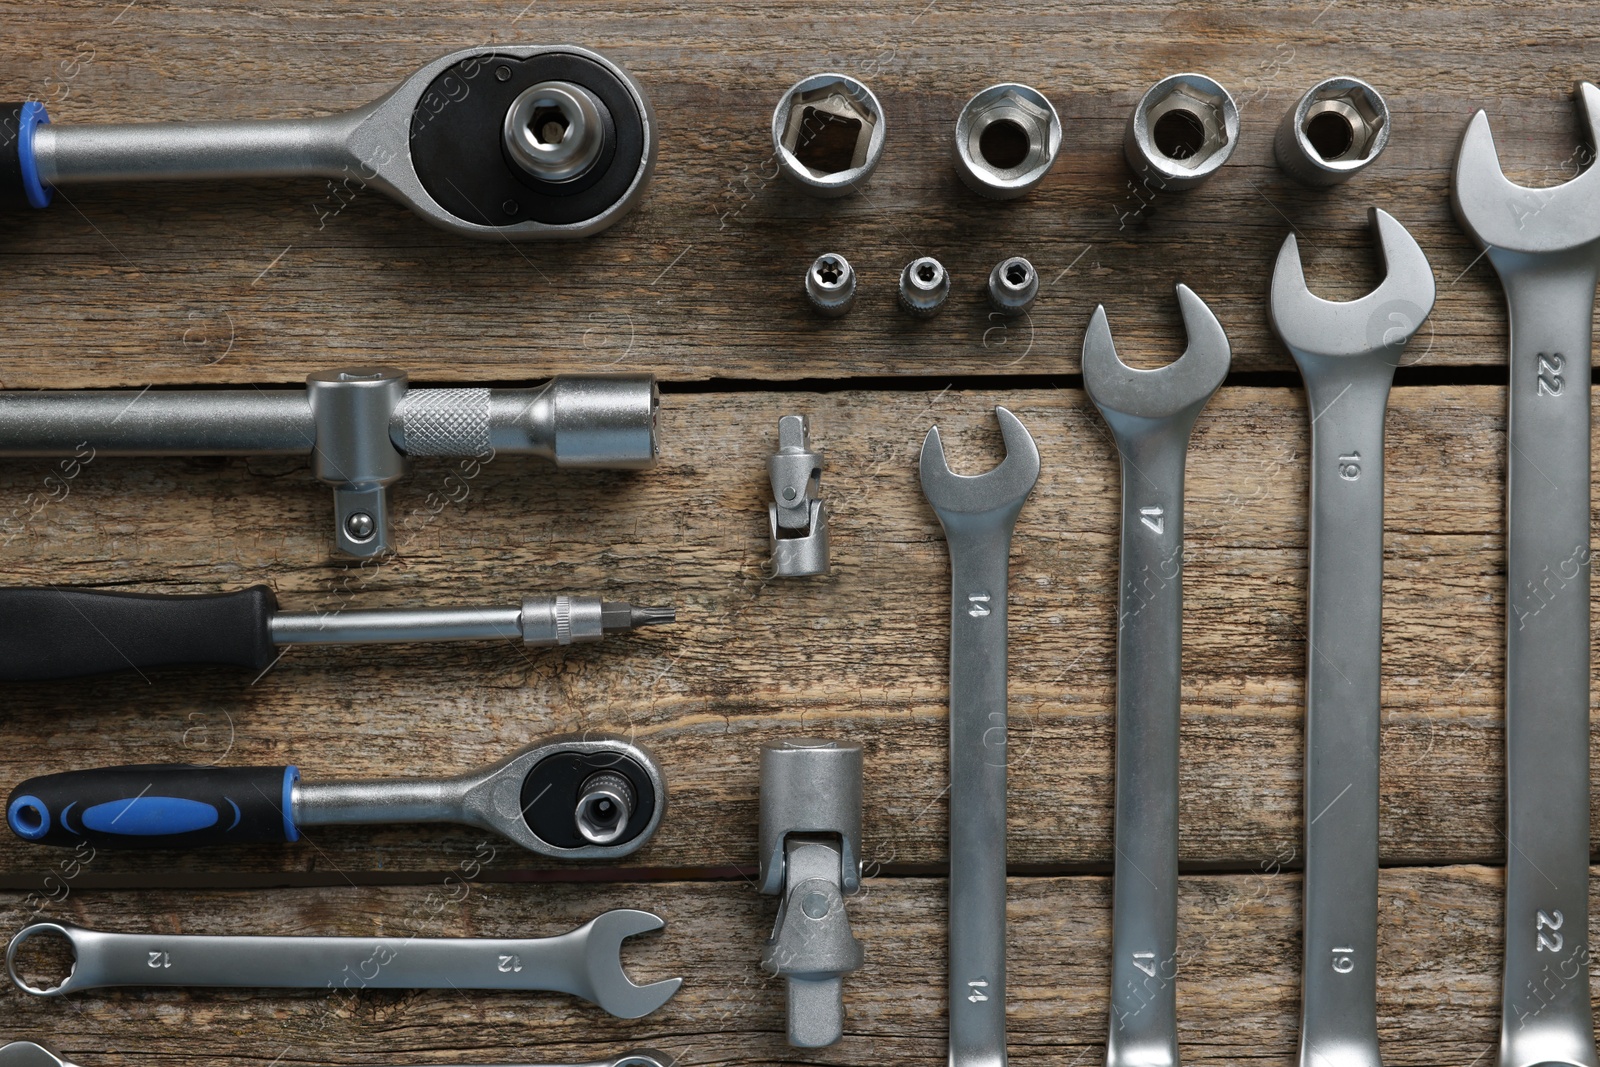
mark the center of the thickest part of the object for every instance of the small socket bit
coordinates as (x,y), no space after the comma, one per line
(1013,285)
(1181,132)
(924,285)
(1333,133)
(831,285)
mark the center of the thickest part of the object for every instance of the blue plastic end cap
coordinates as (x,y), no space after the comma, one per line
(32,117)
(291,775)
(29,818)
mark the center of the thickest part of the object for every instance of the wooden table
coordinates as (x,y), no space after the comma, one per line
(260,283)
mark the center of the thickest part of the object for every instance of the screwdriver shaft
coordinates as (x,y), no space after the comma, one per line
(539,621)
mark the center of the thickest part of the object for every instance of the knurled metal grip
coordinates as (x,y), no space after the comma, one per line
(358,426)
(519,142)
(447,422)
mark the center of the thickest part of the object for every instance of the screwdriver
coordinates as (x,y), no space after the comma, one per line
(49,632)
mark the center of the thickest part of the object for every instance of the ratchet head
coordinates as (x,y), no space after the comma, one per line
(1379,323)
(608,985)
(1002,489)
(1501,215)
(1183,385)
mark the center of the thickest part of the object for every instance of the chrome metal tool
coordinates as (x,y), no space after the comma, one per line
(978,513)
(359,427)
(585,962)
(797,515)
(810,859)
(1151,414)
(572,797)
(502,142)
(1545,246)
(1347,354)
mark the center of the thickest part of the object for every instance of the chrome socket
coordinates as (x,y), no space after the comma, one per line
(831,285)
(1181,131)
(924,286)
(1333,133)
(827,134)
(1007,138)
(1013,286)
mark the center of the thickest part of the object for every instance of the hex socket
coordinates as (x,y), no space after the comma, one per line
(827,134)
(1006,140)
(580,420)
(1181,131)
(1335,131)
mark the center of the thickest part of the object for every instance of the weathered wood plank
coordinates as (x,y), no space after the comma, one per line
(860,654)
(1238,995)
(264,281)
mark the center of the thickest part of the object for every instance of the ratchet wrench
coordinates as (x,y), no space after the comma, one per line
(1347,354)
(30,1054)
(978,514)
(1151,414)
(1545,246)
(574,796)
(502,142)
(585,962)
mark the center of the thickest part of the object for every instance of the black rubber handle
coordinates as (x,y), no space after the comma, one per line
(156,805)
(67,633)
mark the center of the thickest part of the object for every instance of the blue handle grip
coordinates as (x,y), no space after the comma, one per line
(161,805)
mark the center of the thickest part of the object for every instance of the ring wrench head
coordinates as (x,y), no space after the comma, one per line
(1378,324)
(609,985)
(1500,214)
(1003,488)
(1184,384)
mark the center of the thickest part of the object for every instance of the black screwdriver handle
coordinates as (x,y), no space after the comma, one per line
(68,633)
(156,805)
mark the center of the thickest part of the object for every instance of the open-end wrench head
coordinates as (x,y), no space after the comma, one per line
(28,1054)
(1187,382)
(1380,322)
(612,989)
(1498,213)
(1006,486)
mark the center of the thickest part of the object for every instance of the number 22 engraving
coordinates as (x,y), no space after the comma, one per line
(1550,368)
(1546,925)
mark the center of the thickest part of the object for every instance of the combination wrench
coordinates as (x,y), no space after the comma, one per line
(505,142)
(31,1054)
(585,962)
(1347,354)
(1545,246)
(573,796)
(978,513)
(1151,414)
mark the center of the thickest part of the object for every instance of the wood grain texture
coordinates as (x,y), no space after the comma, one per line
(861,654)
(1238,975)
(252,282)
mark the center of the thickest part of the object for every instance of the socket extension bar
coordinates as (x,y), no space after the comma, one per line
(358,426)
